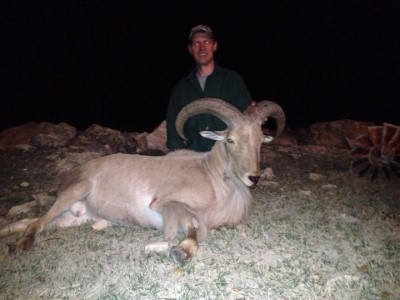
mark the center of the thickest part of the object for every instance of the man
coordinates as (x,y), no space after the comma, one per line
(206,80)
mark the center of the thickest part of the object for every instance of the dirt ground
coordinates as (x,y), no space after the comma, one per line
(316,231)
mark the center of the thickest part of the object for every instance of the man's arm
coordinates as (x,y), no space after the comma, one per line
(174,141)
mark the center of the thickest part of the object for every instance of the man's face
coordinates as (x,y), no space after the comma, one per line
(202,48)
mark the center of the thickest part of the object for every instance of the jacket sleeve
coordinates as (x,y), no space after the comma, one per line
(174,141)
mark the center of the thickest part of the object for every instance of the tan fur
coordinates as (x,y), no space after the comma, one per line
(193,190)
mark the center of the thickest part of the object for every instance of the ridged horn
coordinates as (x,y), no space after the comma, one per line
(264,109)
(225,111)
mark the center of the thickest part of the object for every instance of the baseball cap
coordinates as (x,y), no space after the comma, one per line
(201,28)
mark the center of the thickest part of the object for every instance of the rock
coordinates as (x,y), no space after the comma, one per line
(21,209)
(335,134)
(267,174)
(316,177)
(44,199)
(48,135)
(156,247)
(156,140)
(97,138)
(18,135)
(100,225)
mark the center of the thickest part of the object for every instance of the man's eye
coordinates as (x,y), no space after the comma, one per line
(230,141)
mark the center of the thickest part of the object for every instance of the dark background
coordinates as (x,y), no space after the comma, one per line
(115,63)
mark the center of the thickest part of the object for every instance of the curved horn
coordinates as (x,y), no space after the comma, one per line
(213,106)
(264,109)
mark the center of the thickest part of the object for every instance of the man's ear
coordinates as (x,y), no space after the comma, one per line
(215,48)
(190,49)
(213,135)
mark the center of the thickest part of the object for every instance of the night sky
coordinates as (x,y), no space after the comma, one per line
(85,62)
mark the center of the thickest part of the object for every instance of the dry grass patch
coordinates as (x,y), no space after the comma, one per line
(337,237)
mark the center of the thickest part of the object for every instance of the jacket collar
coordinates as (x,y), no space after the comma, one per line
(192,74)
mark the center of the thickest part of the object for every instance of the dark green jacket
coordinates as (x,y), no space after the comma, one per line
(225,84)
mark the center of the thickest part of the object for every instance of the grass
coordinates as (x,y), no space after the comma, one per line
(302,241)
